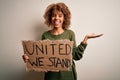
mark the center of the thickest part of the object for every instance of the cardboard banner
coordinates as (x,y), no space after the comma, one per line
(48,55)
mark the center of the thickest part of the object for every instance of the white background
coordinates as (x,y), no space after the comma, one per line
(23,20)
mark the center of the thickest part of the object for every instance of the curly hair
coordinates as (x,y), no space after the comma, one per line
(59,7)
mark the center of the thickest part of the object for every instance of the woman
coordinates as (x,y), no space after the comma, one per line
(57,17)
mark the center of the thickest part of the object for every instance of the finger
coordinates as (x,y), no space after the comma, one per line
(100,35)
(25,58)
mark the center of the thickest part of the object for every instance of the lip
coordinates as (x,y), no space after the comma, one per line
(56,22)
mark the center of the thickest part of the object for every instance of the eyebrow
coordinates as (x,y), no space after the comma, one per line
(57,13)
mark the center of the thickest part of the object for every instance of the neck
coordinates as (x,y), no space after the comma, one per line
(57,31)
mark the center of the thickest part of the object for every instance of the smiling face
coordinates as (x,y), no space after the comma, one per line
(57,19)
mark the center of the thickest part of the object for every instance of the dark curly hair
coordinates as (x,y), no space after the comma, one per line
(59,7)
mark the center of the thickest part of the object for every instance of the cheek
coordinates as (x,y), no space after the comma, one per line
(63,20)
(52,20)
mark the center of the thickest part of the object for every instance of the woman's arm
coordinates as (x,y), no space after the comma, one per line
(90,36)
(79,50)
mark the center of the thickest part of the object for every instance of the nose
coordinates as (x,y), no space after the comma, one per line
(56,17)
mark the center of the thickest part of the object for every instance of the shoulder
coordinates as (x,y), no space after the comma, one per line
(70,31)
(45,34)
(72,36)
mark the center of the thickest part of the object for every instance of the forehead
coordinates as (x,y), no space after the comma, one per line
(57,12)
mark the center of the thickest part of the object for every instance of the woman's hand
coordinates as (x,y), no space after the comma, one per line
(91,36)
(25,58)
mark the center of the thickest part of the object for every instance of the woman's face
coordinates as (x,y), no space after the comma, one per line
(57,19)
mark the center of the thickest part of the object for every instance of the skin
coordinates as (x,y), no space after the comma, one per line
(57,21)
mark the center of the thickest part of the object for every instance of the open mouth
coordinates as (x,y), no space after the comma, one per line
(57,22)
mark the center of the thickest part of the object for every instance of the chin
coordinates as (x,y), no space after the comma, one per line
(56,26)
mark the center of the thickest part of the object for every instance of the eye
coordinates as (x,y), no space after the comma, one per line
(53,15)
(60,15)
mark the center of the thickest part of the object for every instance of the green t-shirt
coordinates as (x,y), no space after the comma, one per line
(77,55)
